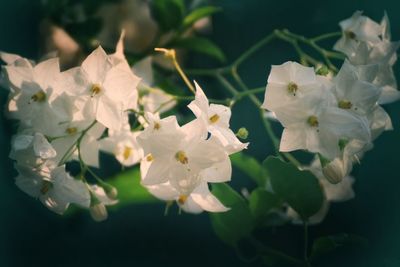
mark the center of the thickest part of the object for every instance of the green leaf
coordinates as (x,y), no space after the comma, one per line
(327,244)
(130,191)
(261,202)
(167,13)
(199,13)
(300,189)
(249,166)
(200,45)
(236,223)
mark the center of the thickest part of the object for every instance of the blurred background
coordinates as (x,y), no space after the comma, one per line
(140,235)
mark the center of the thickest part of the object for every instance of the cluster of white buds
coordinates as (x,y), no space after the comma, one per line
(73,114)
(339,117)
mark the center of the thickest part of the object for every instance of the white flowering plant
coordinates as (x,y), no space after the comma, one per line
(329,105)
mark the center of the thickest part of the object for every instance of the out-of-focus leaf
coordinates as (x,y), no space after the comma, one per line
(84,31)
(261,202)
(236,223)
(300,189)
(328,244)
(130,191)
(199,13)
(167,13)
(249,166)
(200,45)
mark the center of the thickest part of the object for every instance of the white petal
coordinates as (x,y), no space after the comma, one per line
(219,172)
(109,113)
(96,65)
(207,201)
(42,147)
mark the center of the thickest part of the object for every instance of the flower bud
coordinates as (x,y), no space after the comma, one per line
(98,212)
(322,71)
(242,133)
(334,171)
(110,191)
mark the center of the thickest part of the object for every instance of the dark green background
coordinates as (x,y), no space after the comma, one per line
(30,235)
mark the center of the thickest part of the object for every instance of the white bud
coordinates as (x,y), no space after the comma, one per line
(112,193)
(334,171)
(98,212)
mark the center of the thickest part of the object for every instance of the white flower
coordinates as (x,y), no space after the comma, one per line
(124,146)
(314,124)
(153,100)
(352,93)
(89,145)
(31,150)
(108,90)
(192,197)
(34,89)
(176,153)
(288,82)
(215,119)
(55,188)
(357,28)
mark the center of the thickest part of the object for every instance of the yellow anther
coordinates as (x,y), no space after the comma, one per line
(127,152)
(157,126)
(344,104)
(149,157)
(182,199)
(292,88)
(181,157)
(39,96)
(214,118)
(95,90)
(71,130)
(313,121)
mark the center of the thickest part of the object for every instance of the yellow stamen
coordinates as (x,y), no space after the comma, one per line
(39,96)
(127,152)
(313,121)
(214,118)
(95,90)
(182,199)
(149,157)
(157,126)
(292,88)
(344,104)
(181,157)
(71,130)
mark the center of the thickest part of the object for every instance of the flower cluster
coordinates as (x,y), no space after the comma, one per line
(339,117)
(73,114)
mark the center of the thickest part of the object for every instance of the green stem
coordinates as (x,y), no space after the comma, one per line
(264,250)
(227,85)
(326,55)
(326,36)
(248,53)
(306,260)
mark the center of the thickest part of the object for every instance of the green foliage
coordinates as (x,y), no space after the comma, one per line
(261,202)
(249,166)
(300,189)
(200,45)
(235,224)
(198,14)
(327,244)
(129,189)
(168,13)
